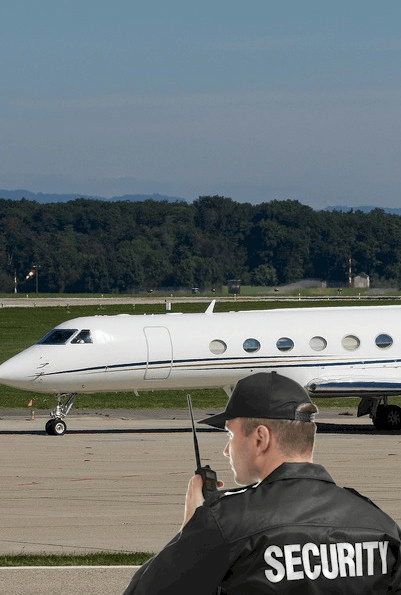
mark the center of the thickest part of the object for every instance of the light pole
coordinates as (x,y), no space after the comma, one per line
(36,269)
(350,271)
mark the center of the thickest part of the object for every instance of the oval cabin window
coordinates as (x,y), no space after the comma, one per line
(285,344)
(384,341)
(217,347)
(318,343)
(350,342)
(251,345)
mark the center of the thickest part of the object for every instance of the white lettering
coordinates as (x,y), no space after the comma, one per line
(291,561)
(346,554)
(370,547)
(278,576)
(358,559)
(295,562)
(311,548)
(333,573)
(383,547)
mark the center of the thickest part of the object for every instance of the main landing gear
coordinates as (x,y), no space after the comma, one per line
(56,426)
(388,417)
(384,416)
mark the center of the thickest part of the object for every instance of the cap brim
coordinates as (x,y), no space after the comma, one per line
(217,421)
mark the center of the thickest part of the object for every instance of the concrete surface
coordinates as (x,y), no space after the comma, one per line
(74,580)
(116,482)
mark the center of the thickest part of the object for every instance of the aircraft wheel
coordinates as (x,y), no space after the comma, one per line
(48,427)
(388,418)
(392,416)
(59,427)
(55,427)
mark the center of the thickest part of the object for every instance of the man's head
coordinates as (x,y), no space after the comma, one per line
(270,420)
(268,395)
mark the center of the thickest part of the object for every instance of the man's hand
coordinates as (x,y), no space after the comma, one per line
(194,497)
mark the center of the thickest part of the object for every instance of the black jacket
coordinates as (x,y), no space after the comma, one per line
(296,533)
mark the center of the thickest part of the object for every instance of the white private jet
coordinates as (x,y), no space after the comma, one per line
(331,351)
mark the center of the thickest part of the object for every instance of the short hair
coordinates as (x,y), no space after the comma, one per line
(293,437)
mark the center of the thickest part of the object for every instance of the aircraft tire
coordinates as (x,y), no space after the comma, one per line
(48,426)
(55,427)
(392,415)
(388,418)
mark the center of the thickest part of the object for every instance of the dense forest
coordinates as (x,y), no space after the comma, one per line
(88,245)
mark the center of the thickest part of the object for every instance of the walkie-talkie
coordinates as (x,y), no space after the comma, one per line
(209,476)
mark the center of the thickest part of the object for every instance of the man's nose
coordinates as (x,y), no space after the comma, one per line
(226,451)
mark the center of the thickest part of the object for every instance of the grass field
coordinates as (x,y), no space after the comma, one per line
(99,559)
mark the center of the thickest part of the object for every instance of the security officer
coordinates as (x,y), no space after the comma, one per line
(291,530)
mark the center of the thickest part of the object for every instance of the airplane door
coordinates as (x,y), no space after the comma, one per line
(160,352)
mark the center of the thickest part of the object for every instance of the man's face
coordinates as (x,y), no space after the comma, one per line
(240,450)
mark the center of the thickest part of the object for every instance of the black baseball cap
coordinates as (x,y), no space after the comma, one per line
(267,395)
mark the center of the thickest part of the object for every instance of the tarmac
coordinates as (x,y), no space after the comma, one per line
(116,482)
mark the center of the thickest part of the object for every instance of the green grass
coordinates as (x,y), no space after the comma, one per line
(98,559)
(172,399)
(209,399)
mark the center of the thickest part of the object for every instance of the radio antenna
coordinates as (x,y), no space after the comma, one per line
(197,455)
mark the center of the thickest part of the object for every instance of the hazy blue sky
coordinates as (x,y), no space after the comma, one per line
(254,100)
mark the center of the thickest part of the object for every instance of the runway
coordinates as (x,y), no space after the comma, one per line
(116,481)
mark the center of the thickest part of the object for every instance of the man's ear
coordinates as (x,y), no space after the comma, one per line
(263,437)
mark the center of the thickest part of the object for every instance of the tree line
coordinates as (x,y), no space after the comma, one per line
(88,245)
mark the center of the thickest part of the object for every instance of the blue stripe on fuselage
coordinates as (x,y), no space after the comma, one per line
(228,364)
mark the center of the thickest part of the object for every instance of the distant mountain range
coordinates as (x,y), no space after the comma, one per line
(46,198)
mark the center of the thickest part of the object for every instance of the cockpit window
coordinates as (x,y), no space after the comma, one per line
(83,337)
(58,336)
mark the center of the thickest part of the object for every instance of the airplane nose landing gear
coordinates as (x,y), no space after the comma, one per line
(57,426)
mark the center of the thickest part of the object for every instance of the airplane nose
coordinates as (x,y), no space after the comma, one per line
(15,372)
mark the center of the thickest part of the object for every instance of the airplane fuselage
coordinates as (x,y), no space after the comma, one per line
(330,351)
